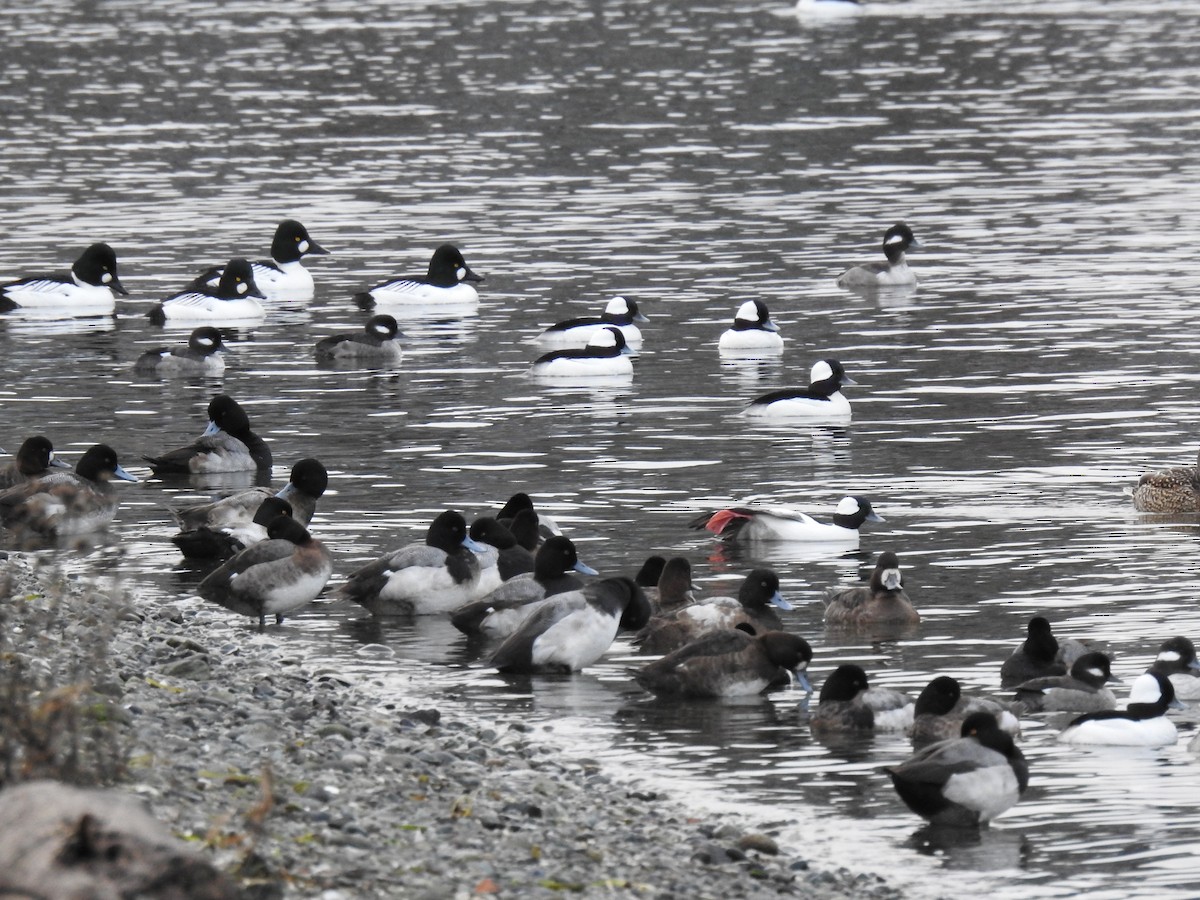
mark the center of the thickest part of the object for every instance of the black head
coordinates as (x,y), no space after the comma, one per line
(237,281)
(758,588)
(650,571)
(851,512)
(1092,668)
(487,530)
(36,455)
(292,242)
(100,463)
(515,504)
(447,532)
(228,415)
(844,684)
(526,528)
(447,267)
(939,697)
(309,476)
(206,339)
(753,314)
(288,529)
(98,265)
(787,650)
(270,509)
(827,376)
(554,558)
(1040,642)
(383,327)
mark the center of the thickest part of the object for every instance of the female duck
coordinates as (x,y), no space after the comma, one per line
(506,608)
(227,445)
(1177,660)
(1143,723)
(445,571)
(201,357)
(277,576)
(753,608)
(893,272)
(849,703)
(882,602)
(35,459)
(620,313)
(1081,691)
(822,402)
(379,341)
(571,631)
(87,291)
(606,355)
(447,283)
(777,523)
(232,300)
(965,781)
(1037,657)
(753,335)
(729,663)
(1174,490)
(283,277)
(673,589)
(67,502)
(941,709)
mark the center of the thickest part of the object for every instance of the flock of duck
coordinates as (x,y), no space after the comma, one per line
(513,580)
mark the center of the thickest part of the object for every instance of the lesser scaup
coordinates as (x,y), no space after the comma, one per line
(1037,657)
(729,663)
(941,709)
(848,703)
(227,445)
(222,542)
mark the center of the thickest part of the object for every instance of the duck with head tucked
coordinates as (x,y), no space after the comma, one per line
(1174,490)
(1037,657)
(779,523)
(306,485)
(35,459)
(224,541)
(729,663)
(848,703)
(435,576)
(64,503)
(227,445)
(941,709)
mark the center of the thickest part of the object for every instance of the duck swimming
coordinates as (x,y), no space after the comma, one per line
(35,458)
(227,445)
(448,282)
(882,601)
(63,503)
(821,403)
(753,335)
(729,663)
(88,290)
(779,523)
(1143,722)
(620,313)
(1174,490)
(892,272)
(941,709)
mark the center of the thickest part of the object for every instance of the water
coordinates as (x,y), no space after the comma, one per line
(691,157)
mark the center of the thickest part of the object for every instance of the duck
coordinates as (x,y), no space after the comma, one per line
(893,272)
(1037,657)
(848,703)
(89,290)
(1174,490)
(606,355)
(224,541)
(234,299)
(1143,722)
(570,631)
(273,577)
(1177,660)
(965,781)
(729,663)
(781,524)
(64,503)
(881,602)
(941,709)
(822,402)
(379,341)
(307,483)
(513,558)
(753,335)
(283,276)
(650,573)
(434,576)
(511,510)
(201,356)
(1080,691)
(447,283)
(673,589)
(227,445)
(35,459)
(620,313)
(502,611)
(758,598)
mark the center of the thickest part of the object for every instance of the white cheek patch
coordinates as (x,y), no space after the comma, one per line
(748,311)
(1095,673)
(617,307)
(1169,656)
(894,239)
(848,507)
(461,273)
(820,372)
(242,287)
(303,247)
(106,277)
(1145,690)
(204,342)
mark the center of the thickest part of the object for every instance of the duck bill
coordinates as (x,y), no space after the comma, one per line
(639,317)
(584,569)
(800,677)
(56,463)
(468,275)
(123,475)
(315,249)
(116,286)
(472,544)
(213,428)
(778,602)
(846,379)
(873,516)
(771,326)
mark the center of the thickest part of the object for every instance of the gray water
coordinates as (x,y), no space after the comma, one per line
(690,156)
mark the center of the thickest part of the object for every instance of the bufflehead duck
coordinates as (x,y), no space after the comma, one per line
(822,402)
(34,459)
(849,703)
(571,631)
(224,541)
(606,355)
(232,300)
(882,601)
(379,341)
(307,483)
(1143,722)
(88,290)
(777,523)
(227,445)
(753,334)
(502,611)
(1037,657)
(447,283)
(941,708)
(1177,660)
(276,576)
(619,313)
(202,356)
(729,663)
(893,272)
(435,576)
(1080,691)
(754,607)
(1174,490)
(67,502)
(964,781)
(283,276)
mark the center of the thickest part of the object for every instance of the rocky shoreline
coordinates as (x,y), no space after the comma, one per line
(300,782)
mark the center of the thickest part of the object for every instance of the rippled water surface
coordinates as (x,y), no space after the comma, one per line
(690,156)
